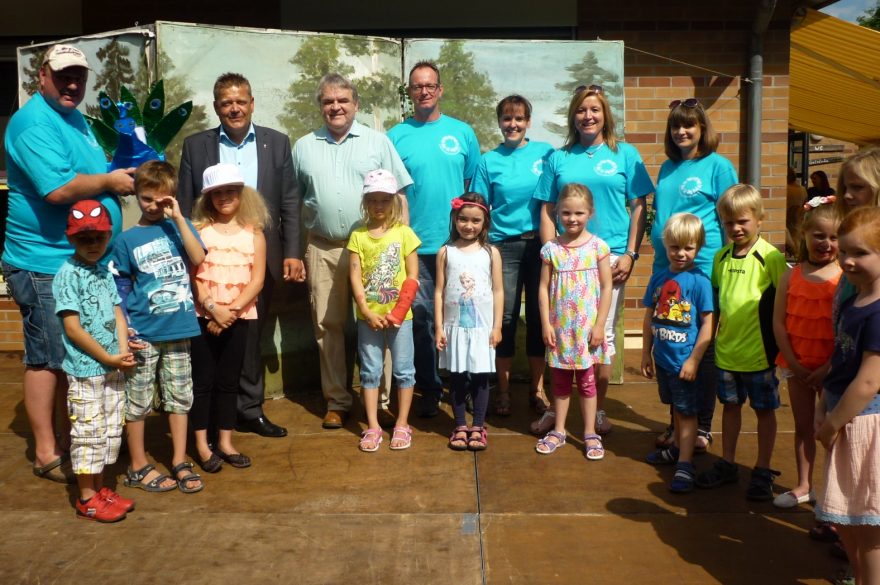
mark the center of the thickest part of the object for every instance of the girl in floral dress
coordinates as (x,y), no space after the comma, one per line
(574,299)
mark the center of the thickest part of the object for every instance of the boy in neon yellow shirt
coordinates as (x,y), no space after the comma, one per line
(745,274)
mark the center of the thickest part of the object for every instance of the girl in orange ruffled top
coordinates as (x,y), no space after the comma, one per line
(230,218)
(804,333)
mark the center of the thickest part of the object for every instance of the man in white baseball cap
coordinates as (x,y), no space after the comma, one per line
(61,57)
(53,161)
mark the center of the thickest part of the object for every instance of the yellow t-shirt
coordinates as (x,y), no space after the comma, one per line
(383,266)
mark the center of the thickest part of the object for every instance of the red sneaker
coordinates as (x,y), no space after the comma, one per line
(99,509)
(125,504)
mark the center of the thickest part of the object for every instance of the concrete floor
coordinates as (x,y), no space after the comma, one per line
(314,510)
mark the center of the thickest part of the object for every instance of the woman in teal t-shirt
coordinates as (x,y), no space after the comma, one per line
(692,181)
(615,174)
(507,177)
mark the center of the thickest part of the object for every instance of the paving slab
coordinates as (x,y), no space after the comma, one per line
(313,509)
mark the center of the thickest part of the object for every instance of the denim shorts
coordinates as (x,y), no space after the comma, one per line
(683,395)
(371,350)
(32,291)
(761,388)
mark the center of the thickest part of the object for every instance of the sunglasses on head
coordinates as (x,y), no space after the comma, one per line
(593,88)
(688,103)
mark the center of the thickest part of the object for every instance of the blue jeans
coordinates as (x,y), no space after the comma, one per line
(520,268)
(32,291)
(371,349)
(427,377)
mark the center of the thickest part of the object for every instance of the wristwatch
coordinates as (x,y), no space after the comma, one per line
(633,255)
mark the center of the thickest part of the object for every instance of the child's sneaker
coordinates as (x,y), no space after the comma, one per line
(761,485)
(99,509)
(683,480)
(603,425)
(126,504)
(722,472)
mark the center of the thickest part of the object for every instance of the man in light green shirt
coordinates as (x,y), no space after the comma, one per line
(330,165)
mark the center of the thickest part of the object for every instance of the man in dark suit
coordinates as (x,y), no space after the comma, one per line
(264,157)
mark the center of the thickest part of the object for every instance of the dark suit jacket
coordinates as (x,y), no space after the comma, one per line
(275,181)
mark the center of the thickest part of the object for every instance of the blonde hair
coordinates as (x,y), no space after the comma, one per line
(865,164)
(394,218)
(682,229)
(812,215)
(740,198)
(576,191)
(252,210)
(608,133)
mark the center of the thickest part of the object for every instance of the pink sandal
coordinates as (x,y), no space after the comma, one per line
(477,439)
(458,440)
(370,440)
(401,434)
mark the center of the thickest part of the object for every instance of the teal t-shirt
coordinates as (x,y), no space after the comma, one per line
(507,178)
(692,186)
(46,149)
(89,291)
(614,178)
(439,156)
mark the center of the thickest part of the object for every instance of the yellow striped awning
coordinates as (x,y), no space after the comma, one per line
(835,79)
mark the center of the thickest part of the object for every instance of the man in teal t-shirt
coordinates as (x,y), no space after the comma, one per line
(441,155)
(53,161)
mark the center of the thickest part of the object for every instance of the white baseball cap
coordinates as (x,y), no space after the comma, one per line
(63,56)
(221,175)
(380,181)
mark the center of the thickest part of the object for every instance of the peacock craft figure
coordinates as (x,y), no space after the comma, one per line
(132,135)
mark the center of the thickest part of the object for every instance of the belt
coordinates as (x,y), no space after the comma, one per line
(332,242)
(524,236)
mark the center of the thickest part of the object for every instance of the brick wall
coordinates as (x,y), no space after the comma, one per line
(714,36)
(10,326)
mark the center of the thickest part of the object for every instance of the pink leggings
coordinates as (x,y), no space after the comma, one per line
(585,379)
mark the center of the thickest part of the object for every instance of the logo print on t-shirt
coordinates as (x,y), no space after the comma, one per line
(538,167)
(690,186)
(449,144)
(606,167)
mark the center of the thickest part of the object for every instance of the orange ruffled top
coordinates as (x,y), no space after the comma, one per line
(227,267)
(808,319)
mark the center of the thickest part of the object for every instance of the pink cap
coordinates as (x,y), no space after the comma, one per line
(380,181)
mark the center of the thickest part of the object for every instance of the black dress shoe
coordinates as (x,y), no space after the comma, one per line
(261,426)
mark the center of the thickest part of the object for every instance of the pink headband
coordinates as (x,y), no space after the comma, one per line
(817,201)
(458,203)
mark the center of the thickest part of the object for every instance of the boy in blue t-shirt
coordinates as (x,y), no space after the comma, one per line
(676,333)
(96,344)
(157,256)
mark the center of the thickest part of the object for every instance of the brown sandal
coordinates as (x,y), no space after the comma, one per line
(502,403)
(538,400)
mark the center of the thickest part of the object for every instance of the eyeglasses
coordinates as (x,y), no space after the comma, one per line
(593,88)
(688,103)
(428,87)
